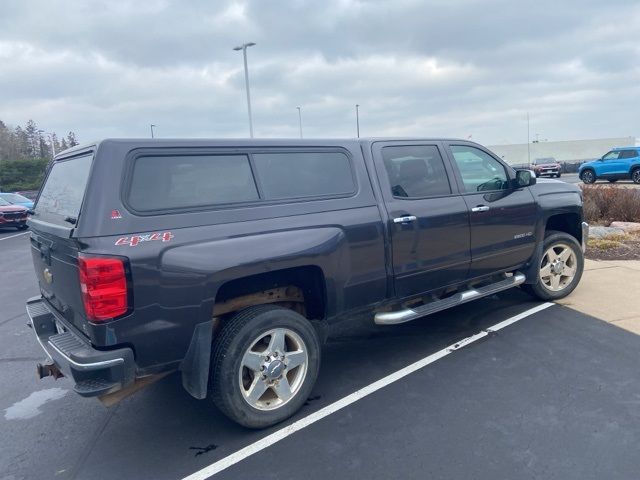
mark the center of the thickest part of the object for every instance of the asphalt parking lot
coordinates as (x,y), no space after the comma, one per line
(553,395)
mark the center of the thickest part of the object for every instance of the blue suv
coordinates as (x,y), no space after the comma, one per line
(619,163)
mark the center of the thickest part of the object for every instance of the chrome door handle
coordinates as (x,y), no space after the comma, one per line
(480,208)
(405,219)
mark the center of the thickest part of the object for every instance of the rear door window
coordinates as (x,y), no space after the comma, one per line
(61,196)
(416,171)
(190,181)
(303,174)
(628,154)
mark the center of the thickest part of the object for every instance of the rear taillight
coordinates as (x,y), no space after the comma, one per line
(103,282)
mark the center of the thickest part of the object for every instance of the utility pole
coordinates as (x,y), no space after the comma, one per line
(300,119)
(358,120)
(244,47)
(53,144)
(152,125)
(528,142)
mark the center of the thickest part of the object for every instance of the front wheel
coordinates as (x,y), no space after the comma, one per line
(560,268)
(265,362)
(635,175)
(588,176)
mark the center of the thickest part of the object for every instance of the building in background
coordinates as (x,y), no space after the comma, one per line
(565,152)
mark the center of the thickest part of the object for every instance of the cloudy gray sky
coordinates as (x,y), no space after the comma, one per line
(427,68)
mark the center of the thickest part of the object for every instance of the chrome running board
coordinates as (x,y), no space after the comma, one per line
(408,314)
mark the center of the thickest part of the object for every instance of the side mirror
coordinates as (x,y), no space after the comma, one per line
(525,178)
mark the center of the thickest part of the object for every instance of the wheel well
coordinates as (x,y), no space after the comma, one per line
(566,222)
(633,168)
(588,169)
(299,288)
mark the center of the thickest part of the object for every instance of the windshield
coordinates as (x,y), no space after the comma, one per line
(14,198)
(63,190)
(3,202)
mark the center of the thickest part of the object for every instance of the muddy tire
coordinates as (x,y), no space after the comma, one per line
(264,364)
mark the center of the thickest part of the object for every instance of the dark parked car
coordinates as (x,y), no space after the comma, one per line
(12,215)
(547,166)
(231,261)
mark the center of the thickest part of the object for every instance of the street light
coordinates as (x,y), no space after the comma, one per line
(152,125)
(53,143)
(300,119)
(528,142)
(244,47)
(358,120)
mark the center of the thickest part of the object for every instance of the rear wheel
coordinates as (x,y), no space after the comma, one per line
(560,268)
(265,362)
(588,176)
(635,175)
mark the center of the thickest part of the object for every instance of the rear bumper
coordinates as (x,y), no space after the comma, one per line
(95,372)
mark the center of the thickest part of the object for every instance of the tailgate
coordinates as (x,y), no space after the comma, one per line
(56,264)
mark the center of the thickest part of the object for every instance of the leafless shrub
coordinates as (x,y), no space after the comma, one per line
(605,204)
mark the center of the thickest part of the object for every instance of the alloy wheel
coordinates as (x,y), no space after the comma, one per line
(558,267)
(273,369)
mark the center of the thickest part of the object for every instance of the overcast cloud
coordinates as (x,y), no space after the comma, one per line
(436,68)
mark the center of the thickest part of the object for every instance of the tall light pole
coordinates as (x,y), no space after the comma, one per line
(53,144)
(358,120)
(528,142)
(300,119)
(244,47)
(152,125)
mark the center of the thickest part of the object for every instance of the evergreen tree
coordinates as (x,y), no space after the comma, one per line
(33,139)
(21,143)
(71,139)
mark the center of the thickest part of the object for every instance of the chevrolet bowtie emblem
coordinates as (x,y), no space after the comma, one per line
(48,276)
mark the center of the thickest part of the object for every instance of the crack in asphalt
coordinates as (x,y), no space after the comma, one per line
(77,468)
(20,359)
(2,322)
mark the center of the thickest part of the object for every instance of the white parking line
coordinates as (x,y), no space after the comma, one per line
(11,236)
(269,440)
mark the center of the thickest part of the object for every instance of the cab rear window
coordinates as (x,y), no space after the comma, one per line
(61,196)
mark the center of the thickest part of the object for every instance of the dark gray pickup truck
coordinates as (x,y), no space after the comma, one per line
(230,261)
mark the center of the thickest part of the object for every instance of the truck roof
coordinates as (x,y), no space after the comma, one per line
(249,142)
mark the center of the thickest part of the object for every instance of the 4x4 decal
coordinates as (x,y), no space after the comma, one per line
(147,237)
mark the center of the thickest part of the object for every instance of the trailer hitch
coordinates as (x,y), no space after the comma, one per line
(48,369)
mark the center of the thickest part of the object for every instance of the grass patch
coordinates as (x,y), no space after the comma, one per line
(617,237)
(603,243)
